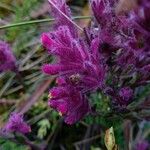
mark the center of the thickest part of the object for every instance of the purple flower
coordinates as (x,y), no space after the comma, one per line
(17,124)
(60,19)
(142,145)
(112,55)
(126,93)
(77,66)
(80,64)
(120,97)
(69,102)
(110,27)
(136,51)
(7,59)
(102,11)
(141,16)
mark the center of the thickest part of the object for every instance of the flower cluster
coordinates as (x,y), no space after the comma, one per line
(79,66)
(112,56)
(125,45)
(7,59)
(17,124)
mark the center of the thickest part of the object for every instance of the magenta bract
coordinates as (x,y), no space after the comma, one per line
(17,124)
(7,59)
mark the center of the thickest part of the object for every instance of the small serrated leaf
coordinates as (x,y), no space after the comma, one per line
(44,126)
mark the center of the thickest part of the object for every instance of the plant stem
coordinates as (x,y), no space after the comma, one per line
(38,21)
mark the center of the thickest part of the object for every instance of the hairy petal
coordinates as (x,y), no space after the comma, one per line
(7,59)
(60,19)
(17,124)
(70,103)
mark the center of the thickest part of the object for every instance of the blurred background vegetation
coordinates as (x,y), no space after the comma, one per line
(29,93)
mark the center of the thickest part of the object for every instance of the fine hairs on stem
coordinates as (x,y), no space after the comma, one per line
(65,15)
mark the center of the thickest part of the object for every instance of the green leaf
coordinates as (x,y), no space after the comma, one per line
(7,145)
(44,127)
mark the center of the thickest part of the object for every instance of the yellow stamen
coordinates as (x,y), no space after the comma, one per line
(50,96)
(60,113)
(56,81)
